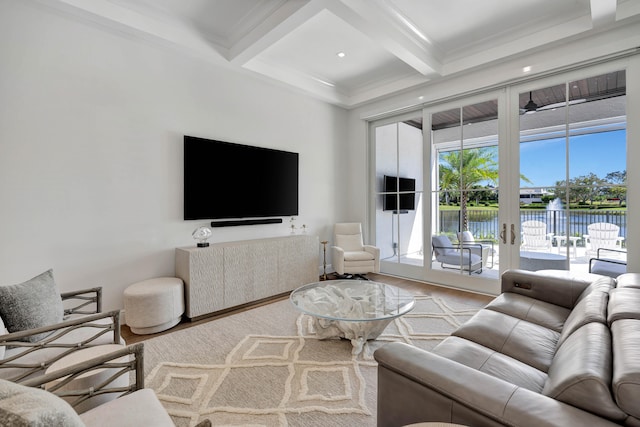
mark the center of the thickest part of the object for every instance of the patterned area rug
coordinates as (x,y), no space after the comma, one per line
(265,367)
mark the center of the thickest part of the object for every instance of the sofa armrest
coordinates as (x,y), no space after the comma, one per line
(415,385)
(83,301)
(23,359)
(552,289)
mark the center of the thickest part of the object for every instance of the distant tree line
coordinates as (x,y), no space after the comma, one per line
(589,189)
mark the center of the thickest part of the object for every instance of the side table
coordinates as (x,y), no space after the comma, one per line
(573,241)
(90,379)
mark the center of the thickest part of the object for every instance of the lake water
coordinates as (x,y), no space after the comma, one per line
(484,223)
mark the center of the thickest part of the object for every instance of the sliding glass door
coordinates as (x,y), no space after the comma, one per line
(528,176)
(464,208)
(573,172)
(398,194)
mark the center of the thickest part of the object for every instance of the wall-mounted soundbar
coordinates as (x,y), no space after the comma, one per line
(237,222)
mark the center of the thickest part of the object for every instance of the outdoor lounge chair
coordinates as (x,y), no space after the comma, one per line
(458,257)
(609,262)
(486,247)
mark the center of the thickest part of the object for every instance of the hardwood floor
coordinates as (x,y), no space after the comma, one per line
(415,287)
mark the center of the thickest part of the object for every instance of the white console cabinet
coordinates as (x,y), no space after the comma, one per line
(229,274)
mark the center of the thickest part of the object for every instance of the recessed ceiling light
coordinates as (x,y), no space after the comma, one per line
(526,69)
(341,54)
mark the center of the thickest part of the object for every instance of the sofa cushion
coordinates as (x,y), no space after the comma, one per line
(603,284)
(349,242)
(31,304)
(590,308)
(628,280)
(581,372)
(626,365)
(624,303)
(527,342)
(141,408)
(530,309)
(491,362)
(22,406)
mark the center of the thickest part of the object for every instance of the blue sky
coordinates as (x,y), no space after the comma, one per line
(544,162)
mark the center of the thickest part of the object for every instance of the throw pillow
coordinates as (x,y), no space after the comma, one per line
(32,304)
(31,407)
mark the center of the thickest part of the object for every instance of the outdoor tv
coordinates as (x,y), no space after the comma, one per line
(227,180)
(394,184)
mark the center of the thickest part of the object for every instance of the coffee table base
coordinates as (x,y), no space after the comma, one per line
(358,332)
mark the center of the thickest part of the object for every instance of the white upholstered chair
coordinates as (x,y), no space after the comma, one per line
(350,254)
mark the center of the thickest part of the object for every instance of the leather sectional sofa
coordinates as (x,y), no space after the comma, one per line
(549,351)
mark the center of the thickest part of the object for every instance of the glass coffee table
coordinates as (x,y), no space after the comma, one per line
(358,310)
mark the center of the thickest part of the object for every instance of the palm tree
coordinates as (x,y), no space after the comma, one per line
(461,171)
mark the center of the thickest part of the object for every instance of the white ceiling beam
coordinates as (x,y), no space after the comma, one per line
(287,18)
(603,12)
(517,47)
(379,21)
(170,33)
(627,9)
(320,89)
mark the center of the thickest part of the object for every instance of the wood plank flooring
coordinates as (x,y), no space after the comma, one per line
(415,287)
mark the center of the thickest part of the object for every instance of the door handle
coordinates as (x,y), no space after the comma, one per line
(513,234)
(503,233)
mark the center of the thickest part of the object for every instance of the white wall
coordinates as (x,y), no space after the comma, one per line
(91,127)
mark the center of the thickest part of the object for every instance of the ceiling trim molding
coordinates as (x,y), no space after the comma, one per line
(415,103)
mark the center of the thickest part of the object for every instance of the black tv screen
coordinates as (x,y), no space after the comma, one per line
(227,180)
(394,184)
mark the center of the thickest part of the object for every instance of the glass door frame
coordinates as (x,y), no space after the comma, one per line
(395,268)
(512,220)
(509,160)
(457,279)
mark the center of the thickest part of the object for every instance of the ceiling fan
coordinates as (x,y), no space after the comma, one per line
(532,107)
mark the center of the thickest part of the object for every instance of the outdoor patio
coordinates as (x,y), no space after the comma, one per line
(578,260)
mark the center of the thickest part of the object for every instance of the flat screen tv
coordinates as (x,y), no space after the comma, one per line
(227,180)
(394,184)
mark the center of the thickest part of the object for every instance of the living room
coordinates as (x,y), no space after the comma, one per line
(93,120)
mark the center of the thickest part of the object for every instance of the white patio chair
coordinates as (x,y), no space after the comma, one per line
(535,236)
(602,235)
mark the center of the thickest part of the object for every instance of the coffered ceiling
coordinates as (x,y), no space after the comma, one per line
(348,52)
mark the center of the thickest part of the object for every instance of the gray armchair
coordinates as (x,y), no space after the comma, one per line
(458,257)
(39,325)
(130,405)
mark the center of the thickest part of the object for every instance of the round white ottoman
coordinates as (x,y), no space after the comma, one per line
(154,305)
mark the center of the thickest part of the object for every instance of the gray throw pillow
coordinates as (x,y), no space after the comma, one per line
(22,406)
(32,304)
